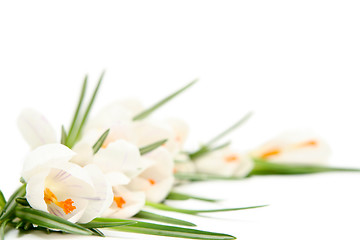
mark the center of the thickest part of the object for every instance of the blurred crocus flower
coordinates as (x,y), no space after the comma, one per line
(299,147)
(65,189)
(225,162)
(157,180)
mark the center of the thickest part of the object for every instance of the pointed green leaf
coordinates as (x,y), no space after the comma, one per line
(148,111)
(22,201)
(78,133)
(165,230)
(268,168)
(72,133)
(202,177)
(151,147)
(11,203)
(47,220)
(161,218)
(97,232)
(101,141)
(106,224)
(2,228)
(183,196)
(2,201)
(194,212)
(63,135)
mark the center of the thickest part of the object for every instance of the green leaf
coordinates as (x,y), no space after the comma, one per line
(97,232)
(2,200)
(268,168)
(71,133)
(2,228)
(148,111)
(202,177)
(106,224)
(101,141)
(165,230)
(151,147)
(161,218)
(63,135)
(78,133)
(194,212)
(206,150)
(11,203)
(183,196)
(47,220)
(22,201)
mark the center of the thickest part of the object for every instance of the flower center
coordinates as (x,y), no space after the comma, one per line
(276,151)
(232,158)
(67,205)
(151,181)
(271,152)
(119,201)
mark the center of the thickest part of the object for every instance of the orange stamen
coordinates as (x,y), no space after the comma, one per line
(119,201)
(67,205)
(232,158)
(270,153)
(151,181)
(311,143)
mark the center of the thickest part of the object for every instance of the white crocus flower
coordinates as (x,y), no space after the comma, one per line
(65,189)
(225,162)
(157,180)
(35,129)
(299,147)
(126,203)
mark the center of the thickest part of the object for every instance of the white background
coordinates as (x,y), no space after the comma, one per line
(295,63)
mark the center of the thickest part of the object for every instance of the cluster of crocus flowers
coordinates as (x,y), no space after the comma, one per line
(79,184)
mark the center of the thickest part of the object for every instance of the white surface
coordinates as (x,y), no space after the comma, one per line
(295,63)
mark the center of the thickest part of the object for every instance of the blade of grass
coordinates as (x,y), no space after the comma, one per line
(47,220)
(101,141)
(151,147)
(194,212)
(268,168)
(71,133)
(183,196)
(87,111)
(2,228)
(2,201)
(166,230)
(161,218)
(106,224)
(11,203)
(148,111)
(63,135)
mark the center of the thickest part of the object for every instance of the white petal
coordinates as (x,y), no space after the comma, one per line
(84,153)
(134,202)
(245,166)
(103,195)
(45,156)
(120,156)
(35,129)
(133,105)
(117,178)
(35,190)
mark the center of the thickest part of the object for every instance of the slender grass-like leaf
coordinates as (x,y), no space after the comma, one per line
(148,111)
(165,230)
(2,228)
(161,218)
(71,133)
(268,168)
(101,141)
(202,177)
(151,147)
(22,201)
(183,196)
(44,219)
(194,212)
(97,232)
(206,150)
(107,224)
(11,203)
(87,111)
(63,135)
(2,201)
